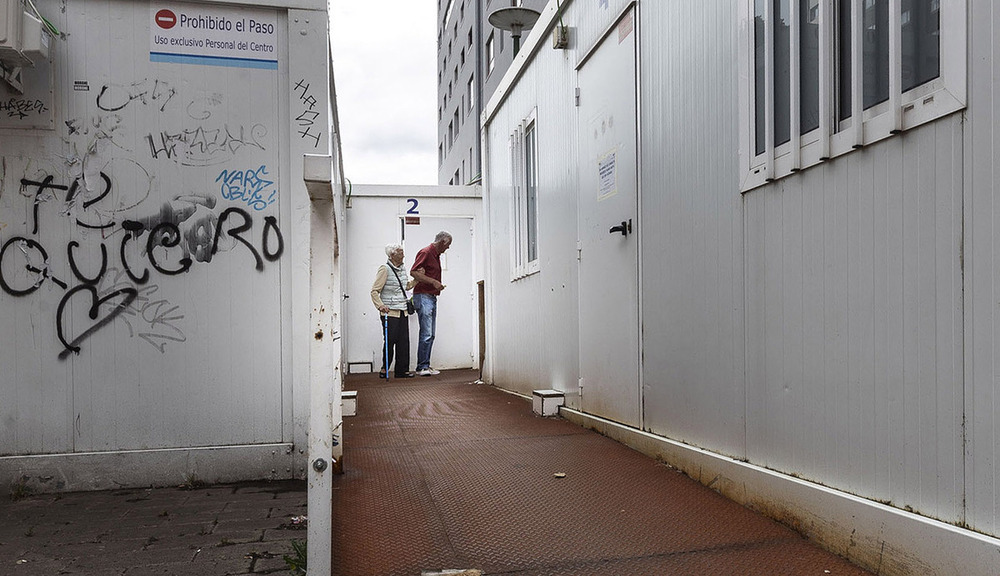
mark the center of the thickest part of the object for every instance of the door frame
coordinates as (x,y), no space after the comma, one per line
(632,7)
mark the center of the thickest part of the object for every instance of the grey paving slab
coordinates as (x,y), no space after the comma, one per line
(208,531)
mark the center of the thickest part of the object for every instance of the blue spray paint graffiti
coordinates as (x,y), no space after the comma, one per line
(248,186)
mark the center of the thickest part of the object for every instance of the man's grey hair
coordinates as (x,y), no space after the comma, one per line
(390,248)
(442,236)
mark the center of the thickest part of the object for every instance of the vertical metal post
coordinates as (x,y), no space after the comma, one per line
(324,363)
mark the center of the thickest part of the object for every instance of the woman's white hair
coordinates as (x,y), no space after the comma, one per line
(390,248)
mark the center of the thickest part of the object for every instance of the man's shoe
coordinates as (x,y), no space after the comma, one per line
(381,374)
(432,371)
(407,375)
(425,372)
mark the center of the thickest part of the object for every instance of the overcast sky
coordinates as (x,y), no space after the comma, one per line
(384,63)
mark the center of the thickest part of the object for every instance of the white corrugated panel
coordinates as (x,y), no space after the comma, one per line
(692,238)
(533,335)
(854,323)
(982,274)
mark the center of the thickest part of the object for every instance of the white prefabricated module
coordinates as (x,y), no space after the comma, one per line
(154,267)
(716,243)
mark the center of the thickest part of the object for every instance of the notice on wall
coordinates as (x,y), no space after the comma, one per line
(607,175)
(213,35)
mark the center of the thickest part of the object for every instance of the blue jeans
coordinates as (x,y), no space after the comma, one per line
(426,305)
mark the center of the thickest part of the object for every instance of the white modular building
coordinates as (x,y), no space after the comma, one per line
(169,175)
(411,216)
(757,240)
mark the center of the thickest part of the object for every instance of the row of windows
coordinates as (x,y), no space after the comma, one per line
(824,77)
(467,107)
(462,174)
(829,76)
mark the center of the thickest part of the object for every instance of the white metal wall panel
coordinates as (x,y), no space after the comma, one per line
(854,327)
(982,275)
(196,358)
(536,343)
(691,231)
(533,321)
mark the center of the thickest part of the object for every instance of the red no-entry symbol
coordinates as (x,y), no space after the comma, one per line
(166,19)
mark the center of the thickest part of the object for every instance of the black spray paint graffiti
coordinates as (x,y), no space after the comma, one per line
(149,319)
(114,97)
(164,236)
(21,108)
(307,119)
(205,146)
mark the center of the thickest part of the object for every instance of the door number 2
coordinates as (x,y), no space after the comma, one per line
(413,206)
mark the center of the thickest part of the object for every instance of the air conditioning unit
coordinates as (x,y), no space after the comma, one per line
(23,38)
(10,26)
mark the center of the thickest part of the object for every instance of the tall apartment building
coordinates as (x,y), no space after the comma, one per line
(472,57)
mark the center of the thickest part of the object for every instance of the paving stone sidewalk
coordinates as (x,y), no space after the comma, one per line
(228,529)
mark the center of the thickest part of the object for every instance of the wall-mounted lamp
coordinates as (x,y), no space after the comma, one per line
(514,19)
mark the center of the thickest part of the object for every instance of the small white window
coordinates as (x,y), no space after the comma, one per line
(472,94)
(827,77)
(524,216)
(490,57)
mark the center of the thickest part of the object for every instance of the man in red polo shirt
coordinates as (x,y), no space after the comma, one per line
(426,269)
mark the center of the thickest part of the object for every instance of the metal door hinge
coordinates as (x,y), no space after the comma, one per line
(577,96)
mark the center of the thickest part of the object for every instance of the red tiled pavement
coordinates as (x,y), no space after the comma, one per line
(444,473)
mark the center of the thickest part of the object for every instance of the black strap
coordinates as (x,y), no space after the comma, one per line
(398,280)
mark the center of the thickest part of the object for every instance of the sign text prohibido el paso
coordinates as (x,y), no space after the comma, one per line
(213,35)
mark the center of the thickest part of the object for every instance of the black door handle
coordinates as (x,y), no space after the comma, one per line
(624,228)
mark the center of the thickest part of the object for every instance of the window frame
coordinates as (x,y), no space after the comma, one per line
(902,111)
(472,93)
(490,55)
(524,175)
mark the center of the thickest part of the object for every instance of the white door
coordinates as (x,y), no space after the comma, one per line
(609,311)
(455,340)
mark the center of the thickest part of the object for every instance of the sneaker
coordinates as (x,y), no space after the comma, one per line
(425,372)
(432,371)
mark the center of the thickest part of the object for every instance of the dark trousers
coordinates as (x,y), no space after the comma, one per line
(397,340)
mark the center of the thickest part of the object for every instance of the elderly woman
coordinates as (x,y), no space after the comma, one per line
(389,296)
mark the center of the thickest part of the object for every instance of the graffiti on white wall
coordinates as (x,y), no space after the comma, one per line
(306,120)
(100,224)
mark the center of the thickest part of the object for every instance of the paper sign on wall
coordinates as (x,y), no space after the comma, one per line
(212,35)
(607,171)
